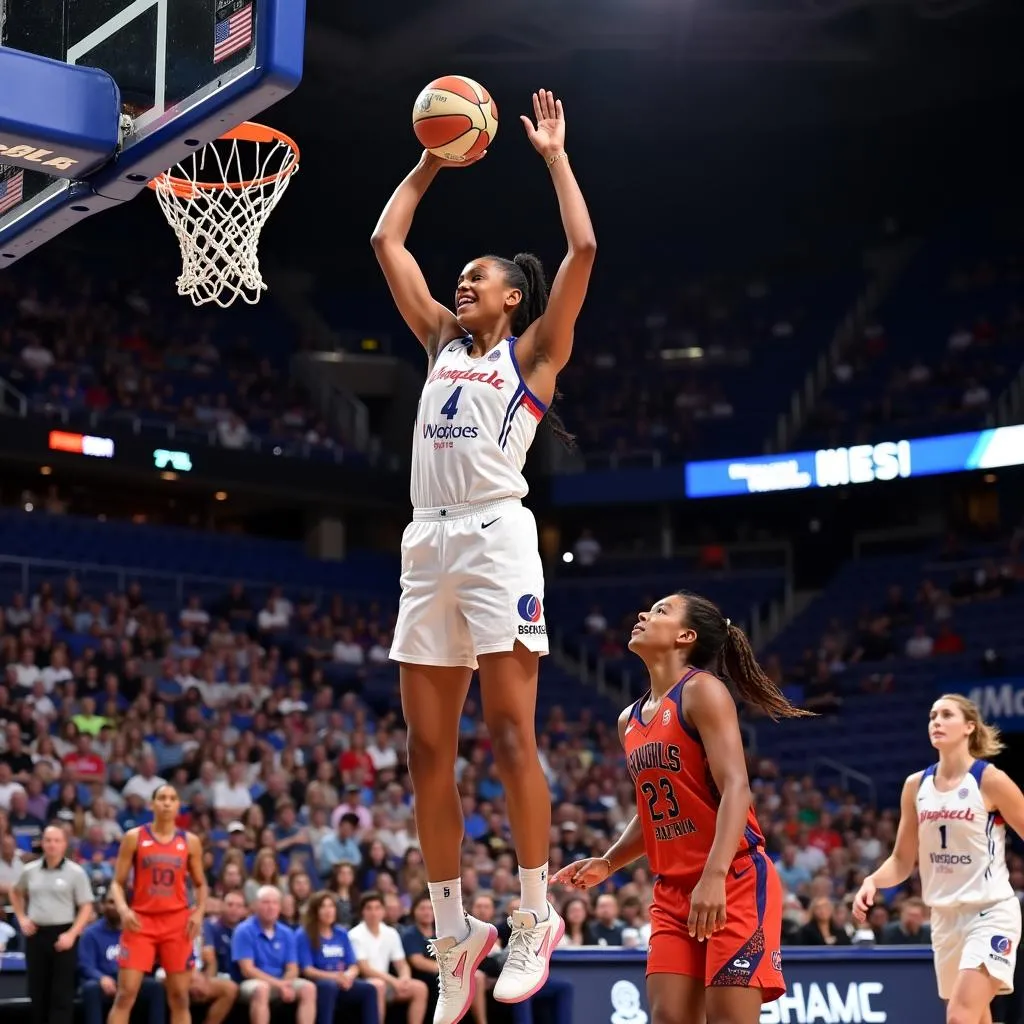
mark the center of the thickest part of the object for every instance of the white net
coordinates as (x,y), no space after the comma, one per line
(217,201)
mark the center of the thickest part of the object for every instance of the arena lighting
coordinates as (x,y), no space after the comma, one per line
(81,444)
(180,462)
(857,464)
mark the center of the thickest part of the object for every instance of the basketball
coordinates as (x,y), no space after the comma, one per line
(455,118)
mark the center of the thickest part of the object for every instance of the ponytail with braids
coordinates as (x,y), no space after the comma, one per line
(526,273)
(723,648)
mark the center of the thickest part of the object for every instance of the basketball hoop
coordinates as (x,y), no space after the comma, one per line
(217,201)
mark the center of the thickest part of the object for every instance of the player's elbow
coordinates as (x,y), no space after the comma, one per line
(380,240)
(585,246)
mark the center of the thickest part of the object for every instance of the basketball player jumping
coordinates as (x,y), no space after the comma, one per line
(694,821)
(159,925)
(472,580)
(952,823)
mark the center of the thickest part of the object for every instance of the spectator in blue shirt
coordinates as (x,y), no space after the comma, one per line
(326,957)
(793,874)
(266,964)
(218,932)
(211,984)
(98,953)
(339,847)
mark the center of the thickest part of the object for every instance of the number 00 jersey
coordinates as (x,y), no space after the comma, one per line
(961,845)
(161,870)
(475,423)
(676,797)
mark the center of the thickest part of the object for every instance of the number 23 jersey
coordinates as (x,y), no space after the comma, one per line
(474,425)
(676,796)
(961,844)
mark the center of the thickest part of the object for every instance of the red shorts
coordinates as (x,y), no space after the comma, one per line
(163,941)
(745,952)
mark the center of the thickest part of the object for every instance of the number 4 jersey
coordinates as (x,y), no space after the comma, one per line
(676,796)
(961,844)
(475,423)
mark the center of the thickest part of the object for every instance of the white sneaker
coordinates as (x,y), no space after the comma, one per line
(457,962)
(529,955)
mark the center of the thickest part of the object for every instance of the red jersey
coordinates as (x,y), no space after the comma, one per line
(161,870)
(676,796)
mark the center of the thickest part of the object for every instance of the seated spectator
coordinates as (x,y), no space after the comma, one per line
(98,953)
(576,912)
(911,929)
(606,928)
(820,930)
(11,865)
(218,932)
(920,644)
(266,963)
(327,959)
(379,951)
(948,641)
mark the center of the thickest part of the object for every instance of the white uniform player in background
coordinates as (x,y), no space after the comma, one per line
(952,823)
(472,580)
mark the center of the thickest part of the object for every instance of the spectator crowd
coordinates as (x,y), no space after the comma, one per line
(298,790)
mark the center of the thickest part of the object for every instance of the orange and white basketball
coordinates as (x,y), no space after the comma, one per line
(455,118)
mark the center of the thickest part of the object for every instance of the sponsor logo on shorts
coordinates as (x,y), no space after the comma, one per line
(1001,945)
(776,960)
(999,959)
(741,963)
(531,610)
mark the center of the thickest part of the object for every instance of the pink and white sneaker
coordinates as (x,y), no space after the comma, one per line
(529,955)
(457,962)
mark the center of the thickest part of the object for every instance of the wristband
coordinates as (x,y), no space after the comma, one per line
(552,160)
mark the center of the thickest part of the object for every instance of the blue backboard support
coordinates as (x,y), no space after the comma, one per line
(187,71)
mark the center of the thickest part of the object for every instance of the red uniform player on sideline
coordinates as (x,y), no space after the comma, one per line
(159,926)
(695,823)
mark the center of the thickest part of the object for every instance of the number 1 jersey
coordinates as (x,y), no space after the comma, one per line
(676,796)
(475,423)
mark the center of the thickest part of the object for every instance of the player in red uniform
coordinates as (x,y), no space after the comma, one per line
(695,822)
(159,926)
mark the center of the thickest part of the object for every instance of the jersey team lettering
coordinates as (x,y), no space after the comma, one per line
(455,375)
(945,814)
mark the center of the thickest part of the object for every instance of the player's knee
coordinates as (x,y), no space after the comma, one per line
(664,1013)
(513,743)
(428,753)
(177,999)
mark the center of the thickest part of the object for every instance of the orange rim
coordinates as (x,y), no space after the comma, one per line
(247,131)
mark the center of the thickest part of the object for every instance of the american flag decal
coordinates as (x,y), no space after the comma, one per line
(12,188)
(233,31)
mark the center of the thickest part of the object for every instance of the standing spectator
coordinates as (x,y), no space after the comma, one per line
(378,948)
(326,957)
(98,954)
(263,951)
(52,901)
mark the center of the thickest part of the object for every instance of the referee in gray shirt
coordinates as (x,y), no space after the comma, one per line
(53,903)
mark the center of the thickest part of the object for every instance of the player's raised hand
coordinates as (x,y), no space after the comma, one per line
(547,131)
(707,907)
(864,900)
(583,874)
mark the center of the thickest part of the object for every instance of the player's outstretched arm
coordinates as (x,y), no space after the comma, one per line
(550,338)
(898,865)
(431,322)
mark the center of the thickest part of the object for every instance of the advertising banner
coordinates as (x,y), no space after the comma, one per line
(893,985)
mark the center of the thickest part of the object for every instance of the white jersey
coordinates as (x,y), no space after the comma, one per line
(961,846)
(475,423)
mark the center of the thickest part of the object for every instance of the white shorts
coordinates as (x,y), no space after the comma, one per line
(966,938)
(472,584)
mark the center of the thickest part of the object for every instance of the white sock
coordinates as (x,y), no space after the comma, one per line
(449,913)
(533,883)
